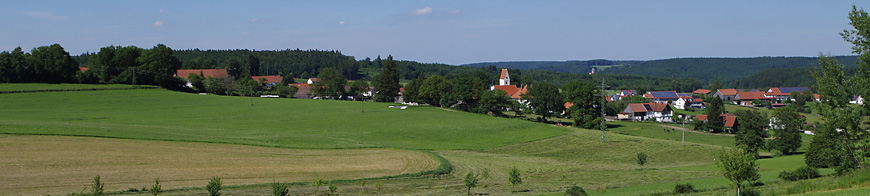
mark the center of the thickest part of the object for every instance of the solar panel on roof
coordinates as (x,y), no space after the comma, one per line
(664,94)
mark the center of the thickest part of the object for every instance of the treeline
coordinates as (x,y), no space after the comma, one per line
(296,63)
(784,77)
(726,70)
(558,66)
(46,64)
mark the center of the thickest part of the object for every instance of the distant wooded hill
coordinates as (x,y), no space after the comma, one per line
(727,70)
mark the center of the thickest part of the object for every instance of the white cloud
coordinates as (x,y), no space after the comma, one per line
(423,11)
(341,23)
(255,19)
(45,15)
(165,11)
(158,23)
(454,12)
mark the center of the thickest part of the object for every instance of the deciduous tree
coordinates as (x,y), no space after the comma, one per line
(787,129)
(545,99)
(737,166)
(751,131)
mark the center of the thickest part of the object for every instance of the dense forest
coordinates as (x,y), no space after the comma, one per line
(727,70)
(558,66)
(784,77)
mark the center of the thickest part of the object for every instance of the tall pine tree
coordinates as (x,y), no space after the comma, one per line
(387,83)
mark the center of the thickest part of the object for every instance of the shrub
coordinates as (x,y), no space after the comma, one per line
(802,173)
(97,187)
(575,191)
(749,192)
(684,188)
(332,189)
(214,186)
(280,189)
(156,188)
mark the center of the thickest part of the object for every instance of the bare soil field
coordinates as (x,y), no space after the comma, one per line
(39,165)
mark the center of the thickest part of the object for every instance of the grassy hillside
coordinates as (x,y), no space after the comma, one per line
(293,123)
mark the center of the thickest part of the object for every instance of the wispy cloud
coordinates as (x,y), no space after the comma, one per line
(45,15)
(165,11)
(255,20)
(341,23)
(423,11)
(454,12)
(158,23)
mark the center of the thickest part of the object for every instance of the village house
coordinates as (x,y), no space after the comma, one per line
(662,96)
(702,92)
(688,102)
(726,94)
(746,98)
(781,94)
(857,100)
(312,80)
(660,112)
(304,91)
(269,81)
(728,120)
(205,73)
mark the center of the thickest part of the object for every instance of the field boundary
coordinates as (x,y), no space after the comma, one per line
(79,89)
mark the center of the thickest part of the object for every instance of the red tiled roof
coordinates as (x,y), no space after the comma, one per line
(653,107)
(702,91)
(728,92)
(730,120)
(508,89)
(269,79)
(83,69)
(568,105)
(752,95)
(299,84)
(214,73)
(503,74)
(701,117)
(520,92)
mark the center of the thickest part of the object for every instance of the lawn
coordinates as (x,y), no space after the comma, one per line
(40,165)
(18,87)
(655,130)
(156,114)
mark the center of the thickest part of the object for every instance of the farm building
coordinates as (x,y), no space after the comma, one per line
(662,96)
(205,73)
(660,112)
(268,80)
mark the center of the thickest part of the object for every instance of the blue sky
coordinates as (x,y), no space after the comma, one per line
(452,32)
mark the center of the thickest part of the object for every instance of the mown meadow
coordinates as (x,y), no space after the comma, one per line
(549,157)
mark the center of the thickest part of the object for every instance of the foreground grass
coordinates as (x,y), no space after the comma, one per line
(156,114)
(23,87)
(57,165)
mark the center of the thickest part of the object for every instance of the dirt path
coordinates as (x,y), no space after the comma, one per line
(690,130)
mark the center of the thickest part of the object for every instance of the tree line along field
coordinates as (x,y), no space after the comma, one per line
(549,157)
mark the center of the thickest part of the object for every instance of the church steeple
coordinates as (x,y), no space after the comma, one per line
(504,79)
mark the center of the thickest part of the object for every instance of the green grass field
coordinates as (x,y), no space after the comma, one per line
(292,123)
(549,157)
(13,87)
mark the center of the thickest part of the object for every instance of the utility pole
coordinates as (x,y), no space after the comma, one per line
(683,126)
(134,76)
(601,109)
